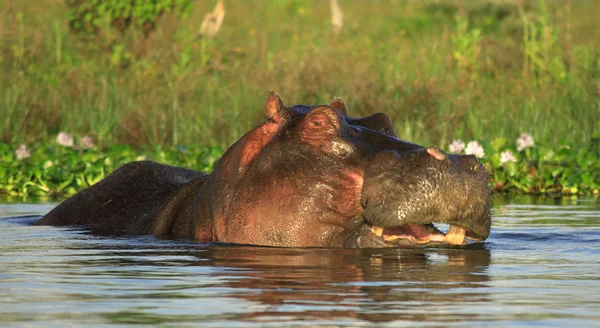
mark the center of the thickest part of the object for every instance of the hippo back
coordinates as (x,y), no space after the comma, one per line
(128,201)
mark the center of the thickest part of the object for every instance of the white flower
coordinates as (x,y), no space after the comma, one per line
(507,156)
(64,139)
(86,143)
(473,148)
(525,141)
(22,152)
(456,146)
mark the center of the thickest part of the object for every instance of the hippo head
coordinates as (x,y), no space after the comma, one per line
(312,176)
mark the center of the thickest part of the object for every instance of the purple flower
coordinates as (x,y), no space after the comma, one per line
(86,143)
(507,156)
(22,152)
(64,139)
(474,148)
(525,141)
(456,146)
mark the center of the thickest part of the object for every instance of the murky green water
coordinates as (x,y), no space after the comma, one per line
(541,267)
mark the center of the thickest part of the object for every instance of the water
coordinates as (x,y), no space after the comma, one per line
(540,267)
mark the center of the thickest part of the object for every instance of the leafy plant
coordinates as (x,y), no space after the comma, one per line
(54,170)
(539,39)
(466,46)
(86,16)
(534,169)
(51,169)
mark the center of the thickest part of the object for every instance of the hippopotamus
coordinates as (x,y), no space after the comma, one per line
(307,176)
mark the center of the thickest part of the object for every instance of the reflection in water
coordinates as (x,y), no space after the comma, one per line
(540,266)
(375,285)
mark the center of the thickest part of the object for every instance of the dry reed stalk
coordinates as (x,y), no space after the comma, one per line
(337,17)
(212,21)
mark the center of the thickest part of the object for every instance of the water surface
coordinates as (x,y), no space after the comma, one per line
(540,267)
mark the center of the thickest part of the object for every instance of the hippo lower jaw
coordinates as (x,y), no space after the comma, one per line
(416,234)
(421,234)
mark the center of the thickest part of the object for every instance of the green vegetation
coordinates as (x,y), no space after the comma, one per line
(88,16)
(51,169)
(137,73)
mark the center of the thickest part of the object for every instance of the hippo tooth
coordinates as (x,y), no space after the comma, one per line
(391,238)
(377,231)
(455,235)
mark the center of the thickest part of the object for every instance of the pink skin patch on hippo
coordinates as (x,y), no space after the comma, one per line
(436,153)
(255,141)
(347,193)
(357,178)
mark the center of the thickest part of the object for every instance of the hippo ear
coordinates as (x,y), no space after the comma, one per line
(338,104)
(275,107)
(378,122)
(255,140)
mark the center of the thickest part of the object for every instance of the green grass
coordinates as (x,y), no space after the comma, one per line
(442,70)
(454,69)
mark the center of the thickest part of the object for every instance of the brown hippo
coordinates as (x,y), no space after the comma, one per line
(308,176)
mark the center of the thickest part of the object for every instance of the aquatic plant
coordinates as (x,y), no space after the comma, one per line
(22,152)
(48,170)
(456,147)
(474,148)
(64,139)
(86,143)
(525,141)
(507,156)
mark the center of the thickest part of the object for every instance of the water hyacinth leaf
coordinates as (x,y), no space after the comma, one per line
(557,171)
(499,144)
(70,191)
(523,185)
(98,165)
(499,176)
(64,184)
(546,154)
(92,179)
(563,152)
(587,178)
(4,149)
(37,173)
(495,161)
(510,168)
(585,158)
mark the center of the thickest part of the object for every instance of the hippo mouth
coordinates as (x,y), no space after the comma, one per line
(419,234)
(405,193)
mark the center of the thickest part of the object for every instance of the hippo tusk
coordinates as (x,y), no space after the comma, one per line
(378,231)
(455,235)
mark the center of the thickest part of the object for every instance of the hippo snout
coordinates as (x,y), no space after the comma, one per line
(404,193)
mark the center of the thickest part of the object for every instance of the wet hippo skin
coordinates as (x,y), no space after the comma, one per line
(308,176)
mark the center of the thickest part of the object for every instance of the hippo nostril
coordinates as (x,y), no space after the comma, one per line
(437,153)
